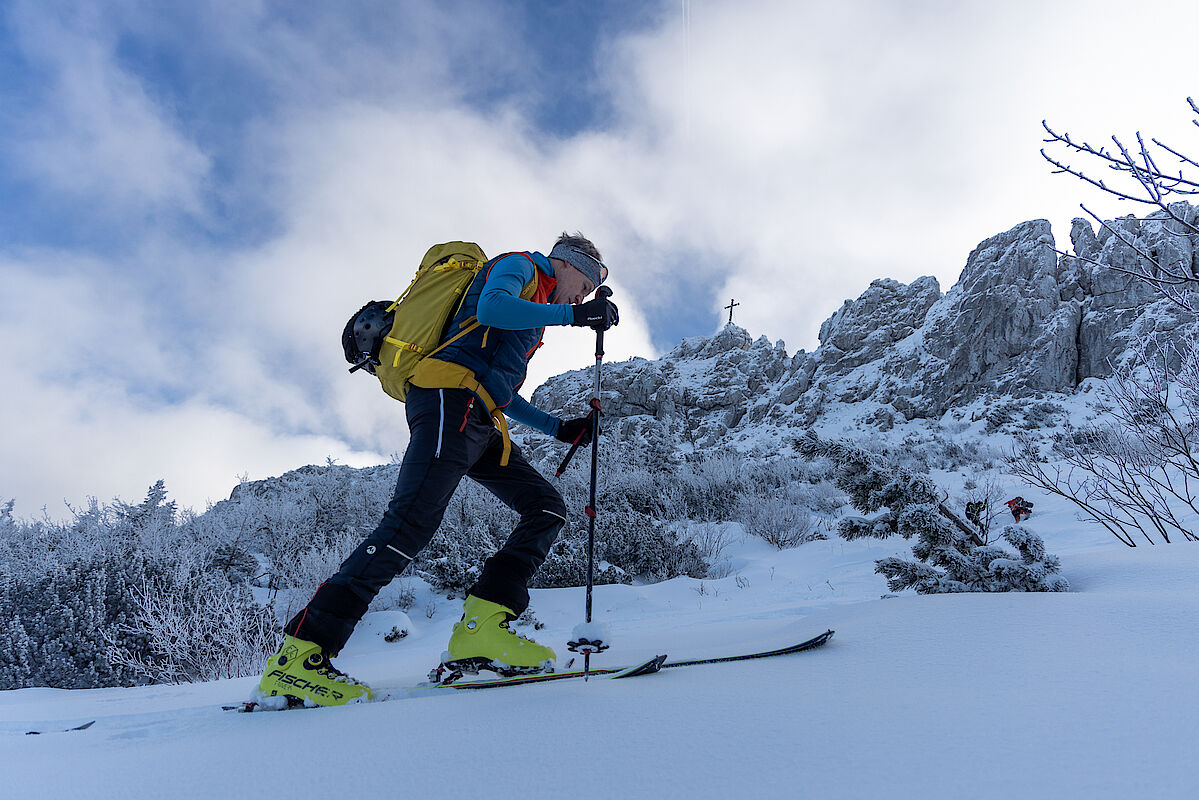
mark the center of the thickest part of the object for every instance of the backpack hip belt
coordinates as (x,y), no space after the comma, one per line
(435,374)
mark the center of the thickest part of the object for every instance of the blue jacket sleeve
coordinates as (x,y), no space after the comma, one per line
(526,413)
(500,304)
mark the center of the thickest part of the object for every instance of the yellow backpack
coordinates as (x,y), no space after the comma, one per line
(391,340)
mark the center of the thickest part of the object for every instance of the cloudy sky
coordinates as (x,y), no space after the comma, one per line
(195,195)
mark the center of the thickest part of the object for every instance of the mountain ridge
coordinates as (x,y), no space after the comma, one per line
(1021,322)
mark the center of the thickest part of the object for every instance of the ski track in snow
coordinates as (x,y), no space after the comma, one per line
(1083,694)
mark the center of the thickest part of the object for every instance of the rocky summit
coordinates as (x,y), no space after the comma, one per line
(1022,321)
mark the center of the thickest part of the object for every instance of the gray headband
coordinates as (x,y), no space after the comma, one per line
(590,266)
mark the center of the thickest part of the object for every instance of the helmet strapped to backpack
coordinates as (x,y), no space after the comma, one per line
(389,339)
(363,335)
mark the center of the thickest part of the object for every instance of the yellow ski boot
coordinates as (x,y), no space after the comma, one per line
(483,640)
(301,674)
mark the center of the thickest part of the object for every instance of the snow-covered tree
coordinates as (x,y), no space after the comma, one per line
(950,555)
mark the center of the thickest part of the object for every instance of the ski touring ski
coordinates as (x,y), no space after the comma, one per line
(82,727)
(651,666)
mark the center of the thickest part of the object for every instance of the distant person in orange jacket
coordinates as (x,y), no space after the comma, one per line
(1021,508)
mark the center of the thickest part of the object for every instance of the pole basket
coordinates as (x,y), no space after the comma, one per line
(586,646)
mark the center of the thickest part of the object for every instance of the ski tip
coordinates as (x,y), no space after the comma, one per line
(819,639)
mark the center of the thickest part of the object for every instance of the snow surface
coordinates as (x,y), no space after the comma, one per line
(1086,694)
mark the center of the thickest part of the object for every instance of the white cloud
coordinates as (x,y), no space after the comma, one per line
(784,154)
(97,134)
(91,439)
(808,148)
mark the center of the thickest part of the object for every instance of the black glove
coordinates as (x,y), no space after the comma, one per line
(600,313)
(570,429)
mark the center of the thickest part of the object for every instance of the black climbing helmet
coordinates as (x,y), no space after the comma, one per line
(364,332)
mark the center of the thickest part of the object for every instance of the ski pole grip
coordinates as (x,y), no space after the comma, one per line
(605,293)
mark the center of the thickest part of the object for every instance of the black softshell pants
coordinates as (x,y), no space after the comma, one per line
(451,437)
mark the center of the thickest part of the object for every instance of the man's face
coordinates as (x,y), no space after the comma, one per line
(573,286)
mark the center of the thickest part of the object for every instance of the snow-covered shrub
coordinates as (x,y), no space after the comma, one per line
(69,593)
(298,575)
(311,508)
(566,565)
(453,559)
(950,555)
(191,625)
(642,547)
(232,560)
(51,623)
(709,538)
(782,518)
(823,497)
(711,485)
(1001,416)
(1042,415)
(1034,569)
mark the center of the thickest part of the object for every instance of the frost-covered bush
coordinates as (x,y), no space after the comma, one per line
(781,518)
(1000,417)
(72,594)
(1042,415)
(710,486)
(566,565)
(644,548)
(314,508)
(950,555)
(192,625)
(823,497)
(710,540)
(51,623)
(453,559)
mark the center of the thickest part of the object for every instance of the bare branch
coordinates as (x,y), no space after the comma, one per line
(1124,163)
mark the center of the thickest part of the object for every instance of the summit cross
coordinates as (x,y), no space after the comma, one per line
(730,306)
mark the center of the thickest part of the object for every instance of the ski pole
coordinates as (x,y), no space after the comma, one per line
(604,291)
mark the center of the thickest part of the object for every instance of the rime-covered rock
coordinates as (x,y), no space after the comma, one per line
(862,331)
(1117,308)
(1003,327)
(1020,322)
(696,393)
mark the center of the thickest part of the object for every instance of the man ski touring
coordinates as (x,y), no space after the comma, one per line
(456,406)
